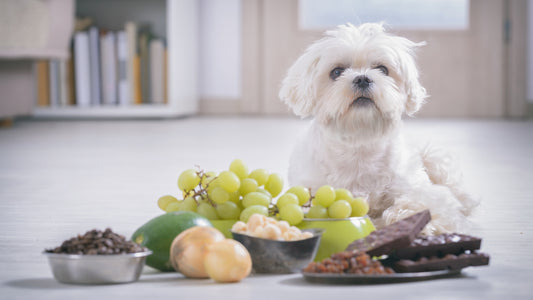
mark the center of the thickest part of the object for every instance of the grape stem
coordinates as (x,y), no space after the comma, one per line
(310,201)
(201,191)
(273,210)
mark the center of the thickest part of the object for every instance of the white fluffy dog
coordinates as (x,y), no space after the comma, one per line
(356,83)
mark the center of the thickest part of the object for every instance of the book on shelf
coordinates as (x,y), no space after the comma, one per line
(144,61)
(108,65)
(94,66)
(71,82)
(157,70)
(53,71)
(124,90)
(43,85)
(165,76)
(132,67)
(63,82)
(124,67)
(82,68)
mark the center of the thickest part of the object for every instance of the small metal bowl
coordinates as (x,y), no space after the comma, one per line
(280,257)
(97,269)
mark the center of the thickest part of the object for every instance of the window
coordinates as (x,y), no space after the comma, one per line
(398,14)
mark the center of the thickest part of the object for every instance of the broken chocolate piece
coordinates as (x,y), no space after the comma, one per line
(438,245)
(396,235)
(450,261)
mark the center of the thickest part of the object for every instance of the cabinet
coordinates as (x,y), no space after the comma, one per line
(181,29)
(27,33)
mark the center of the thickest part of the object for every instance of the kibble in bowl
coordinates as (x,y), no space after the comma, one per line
(97,257)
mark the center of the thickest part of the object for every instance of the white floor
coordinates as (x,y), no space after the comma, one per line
(60,178)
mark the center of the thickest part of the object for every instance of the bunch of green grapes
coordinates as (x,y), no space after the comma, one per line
(336,204)
(231,194)
(236,194)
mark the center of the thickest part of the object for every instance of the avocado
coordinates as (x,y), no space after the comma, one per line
(158,234)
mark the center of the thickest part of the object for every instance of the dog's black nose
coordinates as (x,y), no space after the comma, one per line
(362,82)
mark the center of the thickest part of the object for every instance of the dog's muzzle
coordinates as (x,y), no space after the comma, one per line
(362,101)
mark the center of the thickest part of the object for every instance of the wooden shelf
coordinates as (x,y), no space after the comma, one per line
(182,48)
(96,112)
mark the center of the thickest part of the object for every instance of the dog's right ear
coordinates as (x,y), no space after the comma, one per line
(298,89)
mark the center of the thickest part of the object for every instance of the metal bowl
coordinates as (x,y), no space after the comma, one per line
(280,257)
(97,269)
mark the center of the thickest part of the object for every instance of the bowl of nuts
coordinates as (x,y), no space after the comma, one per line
(97,257)
(275,246)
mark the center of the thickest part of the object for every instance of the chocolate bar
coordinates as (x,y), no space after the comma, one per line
(438,245)
(396,235)
(450,261)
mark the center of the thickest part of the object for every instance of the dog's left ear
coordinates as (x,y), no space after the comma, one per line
(416,93)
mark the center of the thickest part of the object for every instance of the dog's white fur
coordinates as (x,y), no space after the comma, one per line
(360,146)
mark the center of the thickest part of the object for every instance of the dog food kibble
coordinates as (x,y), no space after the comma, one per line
(97,242)
(348,262)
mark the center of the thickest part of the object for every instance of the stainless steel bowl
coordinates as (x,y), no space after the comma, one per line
(272,256)
(97,269)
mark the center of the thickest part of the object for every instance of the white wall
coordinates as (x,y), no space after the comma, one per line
(530,51)
(220,49)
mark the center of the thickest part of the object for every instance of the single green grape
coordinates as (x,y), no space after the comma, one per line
(188,204)
(359,207)
(263,191)
(207,211)
(292,213)
(228,211)
(339,209)
(173,206)
(219,195)
(325,195)
(164,201)
(235,197)
(260,176)
(188,180)
(274,184)
(256,198)
(212,185)
(287,198)
(302,193)
(254,209)
(317,212)
(248,185)
(207,178)
(228,181)
(238,167)
(343,194)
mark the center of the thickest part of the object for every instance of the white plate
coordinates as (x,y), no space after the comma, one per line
(375,279)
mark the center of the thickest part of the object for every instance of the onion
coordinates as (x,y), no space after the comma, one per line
(227,261)
(189,248)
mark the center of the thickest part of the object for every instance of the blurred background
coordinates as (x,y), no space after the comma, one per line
(103,103)
(174,58)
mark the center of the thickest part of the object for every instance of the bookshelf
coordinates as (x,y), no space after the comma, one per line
(181,33)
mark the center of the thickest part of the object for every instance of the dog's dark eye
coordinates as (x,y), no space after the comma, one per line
(383,69)
(335,73)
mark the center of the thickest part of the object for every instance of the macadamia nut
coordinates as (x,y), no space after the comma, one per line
(269,228)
